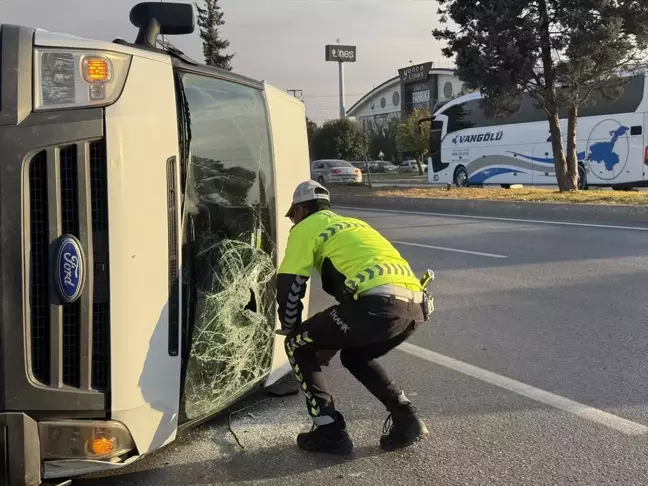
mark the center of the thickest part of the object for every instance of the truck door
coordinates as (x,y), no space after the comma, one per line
(230,214)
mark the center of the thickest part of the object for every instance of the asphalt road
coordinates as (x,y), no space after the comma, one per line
(553,320)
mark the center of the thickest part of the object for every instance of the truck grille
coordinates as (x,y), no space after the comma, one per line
(70,224)
(39,286)
(68,194)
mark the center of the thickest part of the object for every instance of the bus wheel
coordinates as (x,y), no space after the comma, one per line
(582,178)
(461,177)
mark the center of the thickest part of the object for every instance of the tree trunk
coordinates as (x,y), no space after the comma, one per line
(545,45)
(560,161)
(549,95)
(572,155)
(418,164)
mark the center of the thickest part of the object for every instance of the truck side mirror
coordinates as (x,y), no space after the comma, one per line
(155,18)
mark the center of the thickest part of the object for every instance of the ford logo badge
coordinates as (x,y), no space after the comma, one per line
(70,269)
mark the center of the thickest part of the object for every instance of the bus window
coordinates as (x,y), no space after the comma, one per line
(229,337)
(470,114)
(460,115)
(630,99)
(436,133)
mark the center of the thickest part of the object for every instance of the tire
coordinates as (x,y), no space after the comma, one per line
(461,177)
(506,186)
(582,178)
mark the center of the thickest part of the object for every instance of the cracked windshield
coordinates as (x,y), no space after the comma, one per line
(324,241)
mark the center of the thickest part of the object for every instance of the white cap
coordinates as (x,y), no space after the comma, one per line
(309,191)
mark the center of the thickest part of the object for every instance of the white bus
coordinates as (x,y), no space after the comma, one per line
(469,148)
(142,211)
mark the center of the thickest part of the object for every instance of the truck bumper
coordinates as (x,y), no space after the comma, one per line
(20,457)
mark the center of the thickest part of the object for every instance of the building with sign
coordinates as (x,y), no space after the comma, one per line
(420,86)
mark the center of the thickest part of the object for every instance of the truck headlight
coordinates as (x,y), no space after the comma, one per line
(84,439)
(76,78)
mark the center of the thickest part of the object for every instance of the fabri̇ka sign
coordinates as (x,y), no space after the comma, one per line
(341,53)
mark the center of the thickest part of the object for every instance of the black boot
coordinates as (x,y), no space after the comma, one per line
(405,428)
(331,439)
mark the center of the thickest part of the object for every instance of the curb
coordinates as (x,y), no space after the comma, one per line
(514,209)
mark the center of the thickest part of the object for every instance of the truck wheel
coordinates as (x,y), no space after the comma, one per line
(461,177)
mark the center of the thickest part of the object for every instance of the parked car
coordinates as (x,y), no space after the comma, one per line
(409,166)
(335,171)
(381,166)
(360,164)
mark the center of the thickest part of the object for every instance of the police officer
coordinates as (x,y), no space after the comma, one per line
(379,306)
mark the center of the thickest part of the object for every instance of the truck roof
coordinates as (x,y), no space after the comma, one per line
(166,53)
(45,38)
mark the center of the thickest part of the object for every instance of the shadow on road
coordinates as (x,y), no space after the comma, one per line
(264,464)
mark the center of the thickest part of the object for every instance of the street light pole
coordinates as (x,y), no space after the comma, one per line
(342,107)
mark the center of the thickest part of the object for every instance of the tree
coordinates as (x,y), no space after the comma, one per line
(210,18)
(412,139)
(599,46)
(559,52)
(383,139)
(340,139)
(312,130)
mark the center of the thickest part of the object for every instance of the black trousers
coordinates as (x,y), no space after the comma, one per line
(364,330)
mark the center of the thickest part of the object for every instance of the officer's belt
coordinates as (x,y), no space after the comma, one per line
(399,293)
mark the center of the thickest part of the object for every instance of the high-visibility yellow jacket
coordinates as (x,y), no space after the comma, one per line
(348,253)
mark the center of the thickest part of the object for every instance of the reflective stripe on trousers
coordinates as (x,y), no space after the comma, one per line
(291,345)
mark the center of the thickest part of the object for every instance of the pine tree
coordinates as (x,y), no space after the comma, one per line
(210,18)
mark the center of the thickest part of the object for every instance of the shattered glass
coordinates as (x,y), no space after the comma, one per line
(229,263)
(232,338)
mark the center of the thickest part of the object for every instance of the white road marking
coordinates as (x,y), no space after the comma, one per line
(456,250)
(583,411)
(492,218)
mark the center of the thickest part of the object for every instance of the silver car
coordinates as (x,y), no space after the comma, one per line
(332,171)
(409,166)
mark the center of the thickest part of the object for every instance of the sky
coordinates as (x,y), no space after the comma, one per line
(279,41)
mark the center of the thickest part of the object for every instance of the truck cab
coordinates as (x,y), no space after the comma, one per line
(141,222)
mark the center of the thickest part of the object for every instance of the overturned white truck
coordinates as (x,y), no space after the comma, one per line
(141,208)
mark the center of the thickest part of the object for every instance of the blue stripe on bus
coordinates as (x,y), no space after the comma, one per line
(483,176)
(543,160)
